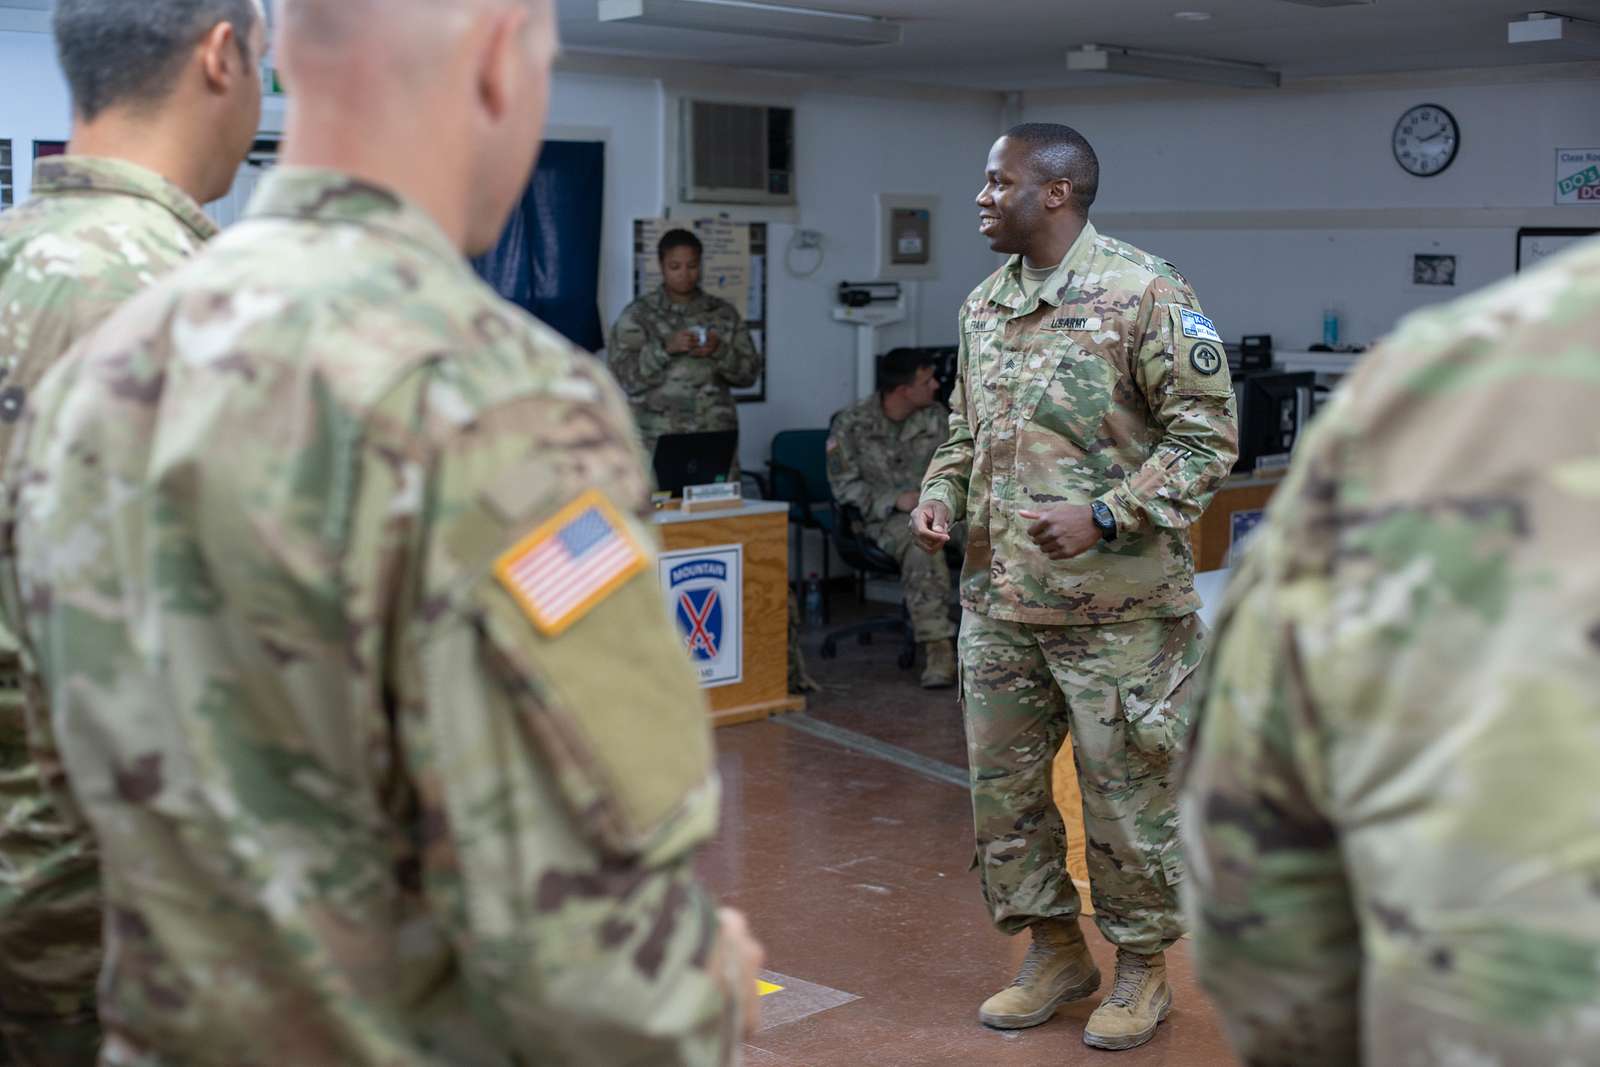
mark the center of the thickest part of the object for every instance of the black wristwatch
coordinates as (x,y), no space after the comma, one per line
(1104,521)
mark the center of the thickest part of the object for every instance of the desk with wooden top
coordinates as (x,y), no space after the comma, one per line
(1212,536)
(762,528)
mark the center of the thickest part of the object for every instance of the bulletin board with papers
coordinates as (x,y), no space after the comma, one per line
(734,268)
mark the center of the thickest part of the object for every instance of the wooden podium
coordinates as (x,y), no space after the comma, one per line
(1212,536)
(762,527)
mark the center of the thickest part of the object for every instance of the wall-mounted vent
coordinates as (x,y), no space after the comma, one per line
(7,175)
(737,153)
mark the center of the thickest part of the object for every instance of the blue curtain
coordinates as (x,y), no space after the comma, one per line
(548,259)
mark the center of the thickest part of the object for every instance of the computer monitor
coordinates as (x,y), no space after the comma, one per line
(694,458)
(1273,409)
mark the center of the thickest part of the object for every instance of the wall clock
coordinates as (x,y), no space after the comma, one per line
(1426,140)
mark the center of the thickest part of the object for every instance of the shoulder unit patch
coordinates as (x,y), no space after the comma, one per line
(1197,326)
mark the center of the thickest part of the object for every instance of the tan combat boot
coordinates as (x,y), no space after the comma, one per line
(1056,969)
(940,670)
(1139,1000)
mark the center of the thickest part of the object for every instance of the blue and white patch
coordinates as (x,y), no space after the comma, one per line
(704,589)
(1197,326)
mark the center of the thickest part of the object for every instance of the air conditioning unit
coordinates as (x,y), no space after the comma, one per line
(737,153)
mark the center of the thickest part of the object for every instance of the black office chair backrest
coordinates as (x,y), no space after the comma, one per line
(855,547)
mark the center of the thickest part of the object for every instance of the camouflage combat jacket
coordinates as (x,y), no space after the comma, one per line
(872,459)
(95,232)
(681,393)
(364,794)
(1109,385)
(1390,814)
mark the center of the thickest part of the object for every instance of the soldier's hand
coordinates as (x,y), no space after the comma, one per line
(930,525)
(906,500)
(680,342)
(737,938)
(1064,532)
(713,342)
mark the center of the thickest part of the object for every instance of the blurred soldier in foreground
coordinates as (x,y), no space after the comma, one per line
(166,101)
(334,566)
(1390,813)
(1091,423)
(878,451)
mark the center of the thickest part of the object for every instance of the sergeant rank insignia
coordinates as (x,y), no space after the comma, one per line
(570,564)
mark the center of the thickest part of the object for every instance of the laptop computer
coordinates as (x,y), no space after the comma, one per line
(694,458)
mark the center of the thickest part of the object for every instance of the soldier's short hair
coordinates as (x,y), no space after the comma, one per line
(899,366)
(679,239)
(117,52)
(1057,152)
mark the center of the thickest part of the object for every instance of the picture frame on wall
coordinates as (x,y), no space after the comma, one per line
(1538,243)
(1433,270)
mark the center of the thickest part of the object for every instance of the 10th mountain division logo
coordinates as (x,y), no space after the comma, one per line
(702,590)
(700,608)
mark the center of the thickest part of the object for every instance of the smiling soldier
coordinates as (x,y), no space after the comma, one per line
(1092,421)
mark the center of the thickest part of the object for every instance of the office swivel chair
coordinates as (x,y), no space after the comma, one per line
(797,472)
(856,549)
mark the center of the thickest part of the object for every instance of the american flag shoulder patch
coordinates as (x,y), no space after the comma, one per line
(561,571)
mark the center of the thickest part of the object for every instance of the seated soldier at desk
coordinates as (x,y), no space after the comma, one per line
(878,452)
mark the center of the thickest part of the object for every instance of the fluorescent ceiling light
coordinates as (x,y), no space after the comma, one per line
(24,20)
(1332,3)
(1109,59)
(1541,27)
(753,20)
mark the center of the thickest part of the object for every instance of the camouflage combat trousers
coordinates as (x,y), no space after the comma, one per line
(1120,693)
(924,579)
(49,916)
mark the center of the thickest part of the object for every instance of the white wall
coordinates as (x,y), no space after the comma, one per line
(849,149)
(1275,204)
(1278,204)
(33,100)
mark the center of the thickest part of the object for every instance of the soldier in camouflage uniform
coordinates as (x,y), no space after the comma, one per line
(1091,423)
(335,567)
(149,144)
(1389,812)
(878,451)
(678,381)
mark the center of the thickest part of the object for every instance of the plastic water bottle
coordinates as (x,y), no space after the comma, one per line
(1330,327)
(813,601)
